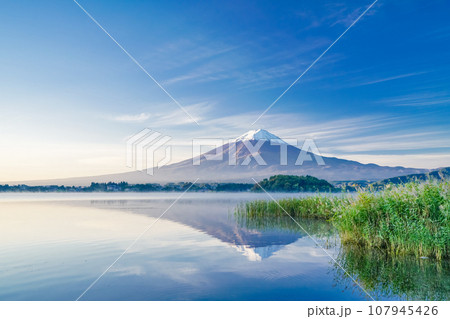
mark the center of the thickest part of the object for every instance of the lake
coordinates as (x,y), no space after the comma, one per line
(53,247)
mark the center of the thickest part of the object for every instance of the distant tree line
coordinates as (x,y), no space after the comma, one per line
(277,183)
(125,187)
(293,183)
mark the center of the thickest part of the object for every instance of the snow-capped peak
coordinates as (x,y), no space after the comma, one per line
(260,134)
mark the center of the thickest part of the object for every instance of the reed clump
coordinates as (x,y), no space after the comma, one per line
(413,218)
(318,206)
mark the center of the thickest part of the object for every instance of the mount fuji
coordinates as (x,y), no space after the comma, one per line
(256,154)
(269,151)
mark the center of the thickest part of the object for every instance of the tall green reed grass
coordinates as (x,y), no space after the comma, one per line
(318,206)
(412,218)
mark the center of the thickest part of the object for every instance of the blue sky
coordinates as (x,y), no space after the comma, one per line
(69,97)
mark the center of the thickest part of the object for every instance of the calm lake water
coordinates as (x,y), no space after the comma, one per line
(53,246)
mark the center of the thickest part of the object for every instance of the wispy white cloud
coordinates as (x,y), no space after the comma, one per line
(243,68)
(334,13)
(429,161)
(183,52)
(392,142)
(293,125)
(177,117)
(131,117)
(164,115)
(391,78)
(348,135)
(419,99)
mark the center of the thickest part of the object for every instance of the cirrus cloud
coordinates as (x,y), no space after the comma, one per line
(132,117)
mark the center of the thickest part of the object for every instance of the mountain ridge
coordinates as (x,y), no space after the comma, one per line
(253,155)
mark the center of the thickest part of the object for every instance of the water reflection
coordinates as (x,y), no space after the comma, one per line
(199,250)
(215,219)
(382,275)
(403,277)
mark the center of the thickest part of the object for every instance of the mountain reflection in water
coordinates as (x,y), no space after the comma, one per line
(255,244)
